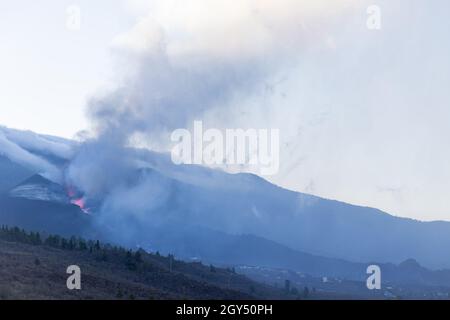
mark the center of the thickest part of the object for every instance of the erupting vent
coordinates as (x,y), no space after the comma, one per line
(76,199)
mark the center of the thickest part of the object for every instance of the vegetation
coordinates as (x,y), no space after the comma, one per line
(33,266)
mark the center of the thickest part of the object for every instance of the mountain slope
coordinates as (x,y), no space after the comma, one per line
(38,271)
(146,190)
(41,205)
(246,204)
(38,188)
(248,250)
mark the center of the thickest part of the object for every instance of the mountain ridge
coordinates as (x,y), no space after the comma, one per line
(239,204)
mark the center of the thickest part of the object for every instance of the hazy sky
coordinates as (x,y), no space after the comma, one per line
(364,114)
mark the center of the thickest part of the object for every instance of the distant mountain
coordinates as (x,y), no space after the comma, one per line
(211,246)
(208,245)
(247,204)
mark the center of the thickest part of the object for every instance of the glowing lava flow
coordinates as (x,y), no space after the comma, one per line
(80,203)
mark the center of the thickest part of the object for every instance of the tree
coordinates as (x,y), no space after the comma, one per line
(138,257)
(287,286)
(64,243)
(104,256)
(51,241)
(305,293)
(71,244)
(129,261)
(170,256)
(38,239)
(82,245)
(252,289)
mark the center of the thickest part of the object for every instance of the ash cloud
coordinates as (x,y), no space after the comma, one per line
(310,68)
(182,62)
(217,62)
(197,60)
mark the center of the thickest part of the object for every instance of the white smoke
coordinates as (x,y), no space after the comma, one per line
(340,93)
(59,147)
(26,148)
(190,59)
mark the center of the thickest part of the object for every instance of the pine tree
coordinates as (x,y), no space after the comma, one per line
(138,257)
(287,286)
(38,239)
(64,243)
(305,293)
(82,245)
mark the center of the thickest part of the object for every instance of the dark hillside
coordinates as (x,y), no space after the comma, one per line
(35,268)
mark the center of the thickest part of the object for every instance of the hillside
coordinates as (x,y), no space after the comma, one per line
(34,269)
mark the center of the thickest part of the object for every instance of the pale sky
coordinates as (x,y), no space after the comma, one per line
(364,113)
(47,70)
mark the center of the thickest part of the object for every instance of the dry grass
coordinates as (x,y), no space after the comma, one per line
(21,277)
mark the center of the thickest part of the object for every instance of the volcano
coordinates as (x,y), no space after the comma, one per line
(131,204)
(41,205)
